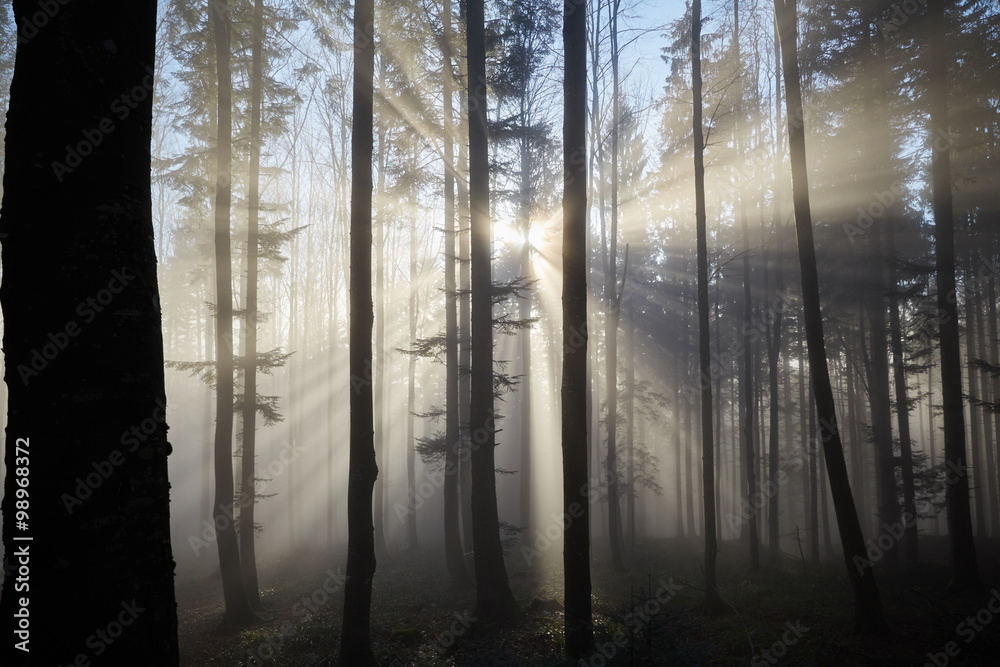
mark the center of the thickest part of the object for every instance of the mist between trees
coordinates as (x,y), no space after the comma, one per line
(492,310)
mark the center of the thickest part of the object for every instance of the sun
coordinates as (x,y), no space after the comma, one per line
(505,231)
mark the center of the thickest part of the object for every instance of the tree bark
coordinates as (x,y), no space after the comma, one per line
(355,638)
(494,597)
(238,609)
(411,393)
(73,233)
(248,556)
(774,328)
(454,556)
(964,563)
(575,443)
(712,601)
(746,379)
(524,336)
(989,481)
(612,314)
(381,362)
(981,488)
(867,602)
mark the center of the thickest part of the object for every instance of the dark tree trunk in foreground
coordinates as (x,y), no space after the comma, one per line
(493,596)
(238,610)
(248,556)
(83,347)
(576,505)
(454,556)
(712,600)
(355,638)
(867,602)
(964,564)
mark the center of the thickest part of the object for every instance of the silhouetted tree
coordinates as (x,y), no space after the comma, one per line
(494,598)
(965,567)
(712,600)
(238,609)
(248,484)
(355,638)
(454,556)
(576,504)
(83,346)
(867,602)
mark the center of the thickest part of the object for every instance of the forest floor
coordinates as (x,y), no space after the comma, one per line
(648,616)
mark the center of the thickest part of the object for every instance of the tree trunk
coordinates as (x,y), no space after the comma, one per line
(524,336)
(991,299)
(868,604)
(464,304)
(878,369)
(575,444)
(411,393)
(612,314)
(988,481)
(689,472)
(494,598)
(813,448)
(978,497)
(911,550)
(238,609)
(454,556)
(294,328)
(746,379)
(381,365)
(712,601)
(248,495)
(774,329)
(82,377)
(630,427)
(964,563)
(355,637)
(209,446)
